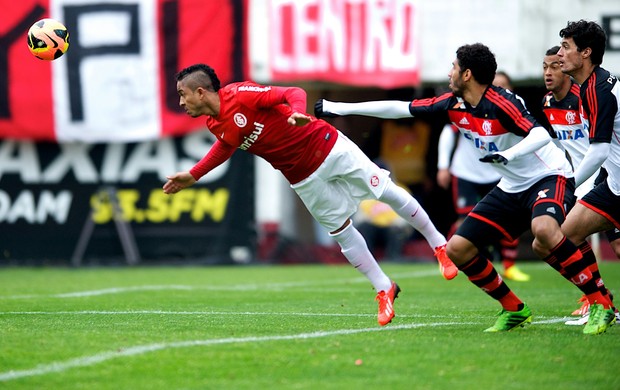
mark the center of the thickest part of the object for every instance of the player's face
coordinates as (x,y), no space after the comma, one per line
(552,73)
(197,102)
(188,100)
(456,79)
(570,58)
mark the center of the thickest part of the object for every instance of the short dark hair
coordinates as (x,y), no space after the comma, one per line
(201,75)
(505,75)
(587,34)
(479,59)
(553,51)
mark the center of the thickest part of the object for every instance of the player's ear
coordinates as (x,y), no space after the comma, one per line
(201,92)
(585,53)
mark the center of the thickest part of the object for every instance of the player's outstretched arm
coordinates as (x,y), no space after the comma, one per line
(386,109)
(178,181)
(595,157)
(536,139)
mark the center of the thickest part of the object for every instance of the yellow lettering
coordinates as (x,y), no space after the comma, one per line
(181,203)
(214,204)
(127,201)
(101,208)
(158,206)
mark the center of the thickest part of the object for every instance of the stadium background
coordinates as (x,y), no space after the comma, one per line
(86,141)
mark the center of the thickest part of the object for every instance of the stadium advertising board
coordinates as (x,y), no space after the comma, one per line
(87,140)
(50,194)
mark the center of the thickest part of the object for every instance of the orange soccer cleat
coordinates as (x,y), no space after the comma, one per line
(386,304)
(584,309)
(446,266)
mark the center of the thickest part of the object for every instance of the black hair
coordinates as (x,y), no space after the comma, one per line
(479,59)
(553,51)
(200,75)
(587,34)
(508,78)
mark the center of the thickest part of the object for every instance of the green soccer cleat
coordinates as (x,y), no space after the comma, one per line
(511,319)
(600,319)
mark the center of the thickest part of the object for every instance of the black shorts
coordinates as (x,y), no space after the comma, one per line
(602,201)
(507,215)
(466,194)
(613,234)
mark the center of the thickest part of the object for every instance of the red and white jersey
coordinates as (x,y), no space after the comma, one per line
(253,117)
(600,99)
(498,122)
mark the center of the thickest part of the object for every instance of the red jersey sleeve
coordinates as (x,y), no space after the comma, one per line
(218,153)
(267,97)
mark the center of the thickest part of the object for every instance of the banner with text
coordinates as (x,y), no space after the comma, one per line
(363,42)
(51,193)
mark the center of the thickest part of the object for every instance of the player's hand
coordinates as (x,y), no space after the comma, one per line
(299,119)
(178,181)
(319,112)
(494,158)
(443,178)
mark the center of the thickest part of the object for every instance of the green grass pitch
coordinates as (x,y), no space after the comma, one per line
(290,327)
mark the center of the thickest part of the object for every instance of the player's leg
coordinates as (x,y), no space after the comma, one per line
(549,198)
(355,249)
(332,194)
(408,208)
(486,224)
(583,220)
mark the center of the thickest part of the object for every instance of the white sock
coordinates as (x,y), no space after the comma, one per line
(411,211)
(355,249)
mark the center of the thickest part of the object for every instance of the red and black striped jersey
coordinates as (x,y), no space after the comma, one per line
(600,99)
(565,120)
(499,121)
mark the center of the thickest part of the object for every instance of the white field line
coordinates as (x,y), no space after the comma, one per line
(456,316)
(239,287)
(85,361)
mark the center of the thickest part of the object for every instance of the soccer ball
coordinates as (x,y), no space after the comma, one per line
(48,39)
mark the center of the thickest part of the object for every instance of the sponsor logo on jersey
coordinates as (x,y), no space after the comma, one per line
(567,135)
(374,180)
(464,121)
(480,144)
(253,88)
(240,119)
(249,140)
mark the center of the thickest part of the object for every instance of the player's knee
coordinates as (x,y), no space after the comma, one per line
(547,233)
(460,250)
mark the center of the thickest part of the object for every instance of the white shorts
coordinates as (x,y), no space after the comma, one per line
(347,176)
